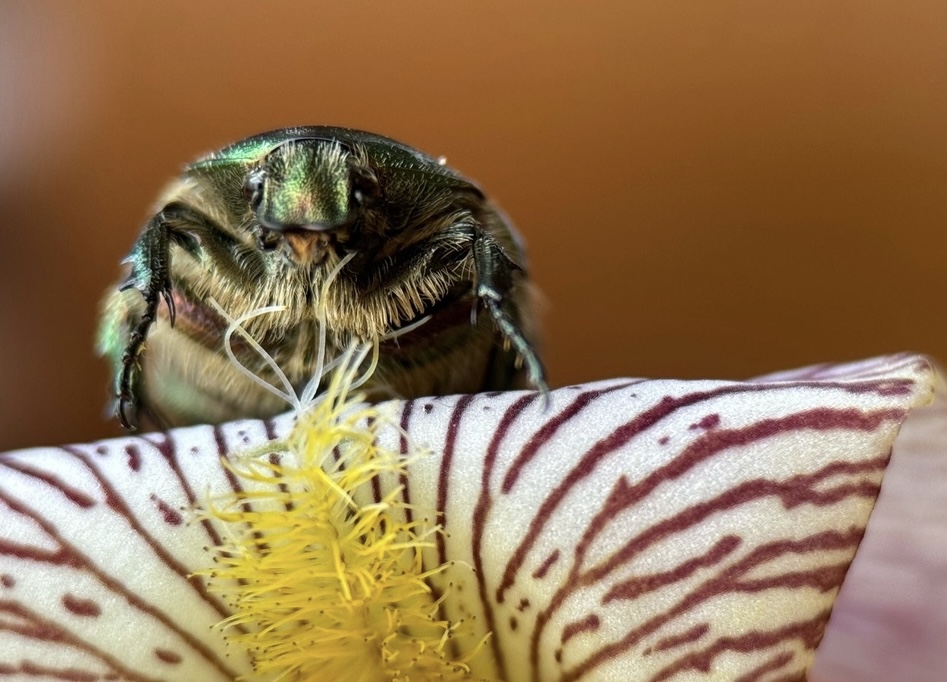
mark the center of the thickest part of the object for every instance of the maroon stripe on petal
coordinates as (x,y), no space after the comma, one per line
(823,578)
(710,421)
(626,495)
(797,490)
(442,492)
(171,516)
(31,625)
(88,608)
(734,579)
(274,459)
(586,465)
(803,488)
(447,461)
(406,410)
(57,558)
(117,503)
(169,452)
(166,447)
(687,637)
(81,562)
(634,587)
(590,623)
(46,672)
(775,663)
(166,656)
(546,564)
(236,487)
(482,510)
(548,430)
(133,455)
(808,631)
(376,480)
(269,428)
(74,495)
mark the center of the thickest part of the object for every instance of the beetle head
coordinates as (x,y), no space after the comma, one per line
(306,194)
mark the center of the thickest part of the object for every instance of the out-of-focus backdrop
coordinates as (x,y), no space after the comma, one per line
(706,189)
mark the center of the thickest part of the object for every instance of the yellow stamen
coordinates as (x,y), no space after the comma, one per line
(324,582)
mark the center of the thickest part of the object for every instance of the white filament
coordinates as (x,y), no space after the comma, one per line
(236,325)
(346,364)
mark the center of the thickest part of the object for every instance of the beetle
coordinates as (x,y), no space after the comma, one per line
(262,222)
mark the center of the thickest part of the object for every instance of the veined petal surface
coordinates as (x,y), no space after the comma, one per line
(628,530)
(890,621)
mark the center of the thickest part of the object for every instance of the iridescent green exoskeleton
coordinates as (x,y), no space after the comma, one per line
(262,223)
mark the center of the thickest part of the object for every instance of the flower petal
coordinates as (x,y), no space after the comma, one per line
(631,529)
(890,622)
(647,530)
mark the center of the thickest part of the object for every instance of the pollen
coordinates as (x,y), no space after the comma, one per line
(325,580)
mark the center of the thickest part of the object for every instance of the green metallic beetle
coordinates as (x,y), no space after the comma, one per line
(262,223)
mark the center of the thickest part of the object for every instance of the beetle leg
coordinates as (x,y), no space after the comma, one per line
(150,274)
(495,292)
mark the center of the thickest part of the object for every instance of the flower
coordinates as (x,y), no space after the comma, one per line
(327,587)
(889,622)
(632,529)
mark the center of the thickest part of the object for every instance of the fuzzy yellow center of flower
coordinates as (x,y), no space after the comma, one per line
(325,583)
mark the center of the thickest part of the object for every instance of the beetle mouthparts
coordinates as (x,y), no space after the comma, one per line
(308,247)
(283,228)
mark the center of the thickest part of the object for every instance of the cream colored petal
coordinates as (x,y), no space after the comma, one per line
(633,530)
(890,622)
(699,532)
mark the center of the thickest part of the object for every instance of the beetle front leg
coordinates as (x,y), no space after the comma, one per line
(150,274)
(495,292)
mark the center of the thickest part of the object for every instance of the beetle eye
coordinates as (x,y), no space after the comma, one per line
(253,189)
(365,188)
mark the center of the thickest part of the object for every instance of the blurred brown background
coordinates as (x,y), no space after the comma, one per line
(707,189)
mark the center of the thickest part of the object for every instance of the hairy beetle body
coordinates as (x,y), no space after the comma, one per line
(264,222)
